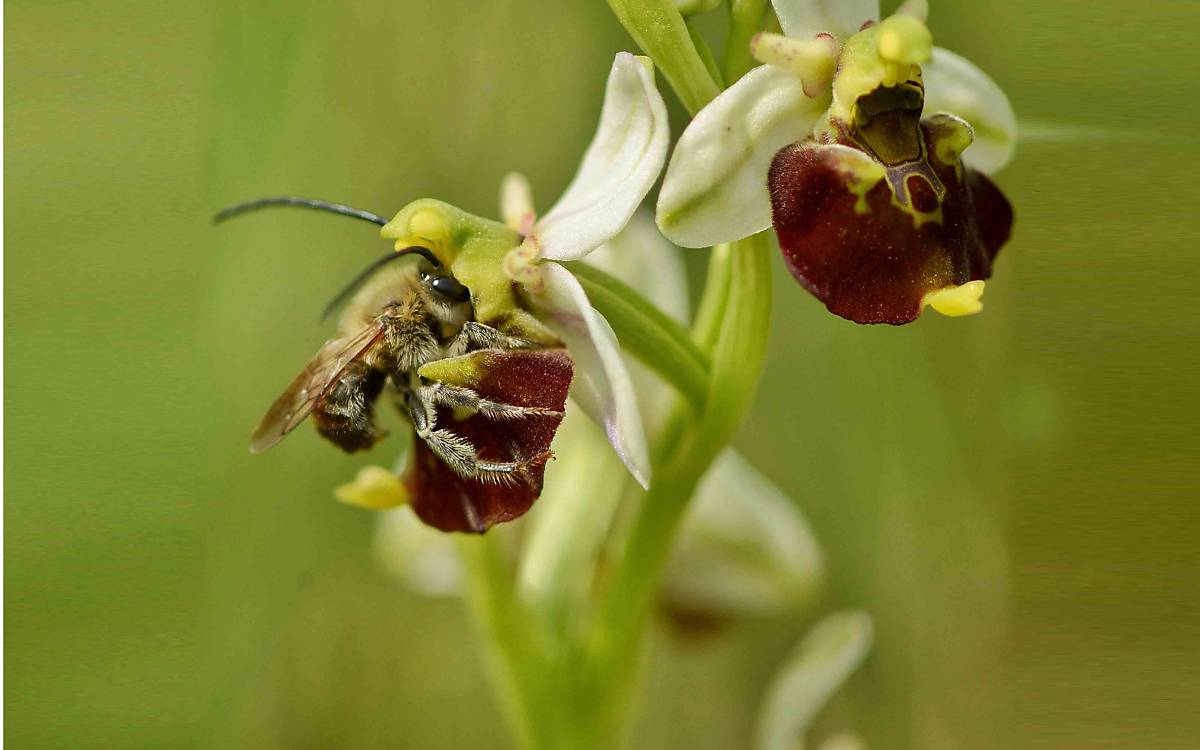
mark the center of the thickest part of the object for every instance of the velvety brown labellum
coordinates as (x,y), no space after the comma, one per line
(872,255)
(527,377)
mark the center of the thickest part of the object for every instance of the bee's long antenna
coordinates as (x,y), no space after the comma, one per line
(367,272)
(290,200)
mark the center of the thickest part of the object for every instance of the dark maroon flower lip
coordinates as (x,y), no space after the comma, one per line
(530,378)
(887,213)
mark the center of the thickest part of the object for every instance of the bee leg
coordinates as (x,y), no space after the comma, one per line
(464,398)
(479,336)
(457,452)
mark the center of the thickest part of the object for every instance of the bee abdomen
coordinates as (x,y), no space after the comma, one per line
(346,414)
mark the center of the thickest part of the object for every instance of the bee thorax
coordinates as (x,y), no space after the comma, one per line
(410,343)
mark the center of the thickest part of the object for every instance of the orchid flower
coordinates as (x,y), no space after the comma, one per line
(620,166)
(878,212)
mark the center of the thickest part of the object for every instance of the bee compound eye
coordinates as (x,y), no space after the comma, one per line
(450,289)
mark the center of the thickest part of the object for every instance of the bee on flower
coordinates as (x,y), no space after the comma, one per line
(478,334)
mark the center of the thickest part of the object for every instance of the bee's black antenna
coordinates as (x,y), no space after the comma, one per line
(367,272)
(290,200)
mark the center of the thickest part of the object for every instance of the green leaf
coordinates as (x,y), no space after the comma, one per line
(659,29)
(646,332)
(710,62)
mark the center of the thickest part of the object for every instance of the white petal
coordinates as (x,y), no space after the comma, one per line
(645,260)
(804,19)
(953,84)
(602,386)
(516,202)
(619,168)
(716,185)
(744,547)
(823,661)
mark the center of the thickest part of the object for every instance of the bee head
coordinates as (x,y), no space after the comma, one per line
(438,288)
(444,285)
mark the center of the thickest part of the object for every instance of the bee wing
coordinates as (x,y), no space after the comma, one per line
(290,409)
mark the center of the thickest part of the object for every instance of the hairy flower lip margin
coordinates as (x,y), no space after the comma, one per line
(715,191)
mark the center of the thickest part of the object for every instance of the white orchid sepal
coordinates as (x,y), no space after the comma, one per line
(620,166)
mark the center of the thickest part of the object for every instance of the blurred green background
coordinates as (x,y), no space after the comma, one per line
(1012,496)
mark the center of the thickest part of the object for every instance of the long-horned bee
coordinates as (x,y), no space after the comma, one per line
(483,404)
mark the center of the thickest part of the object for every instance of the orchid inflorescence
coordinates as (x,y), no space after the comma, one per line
(867,151)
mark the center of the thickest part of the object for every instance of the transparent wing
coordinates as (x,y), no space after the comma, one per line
(318,377)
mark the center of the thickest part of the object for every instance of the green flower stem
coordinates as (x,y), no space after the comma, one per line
(514,655)
(745,20)
(648,333)
(713,300)
(737,361)
(741,348)
(659,29)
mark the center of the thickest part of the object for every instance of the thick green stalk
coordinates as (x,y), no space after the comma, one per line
(737,361)
(707,326)
(659,29)
(513,651)
(741,347)
(745,20)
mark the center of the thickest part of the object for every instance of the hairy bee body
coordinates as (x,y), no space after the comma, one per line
(484,418)
(415,328)
(406,316)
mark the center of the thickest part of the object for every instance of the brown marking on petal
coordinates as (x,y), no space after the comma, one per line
(876,266)
(921,194)
(532,378)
